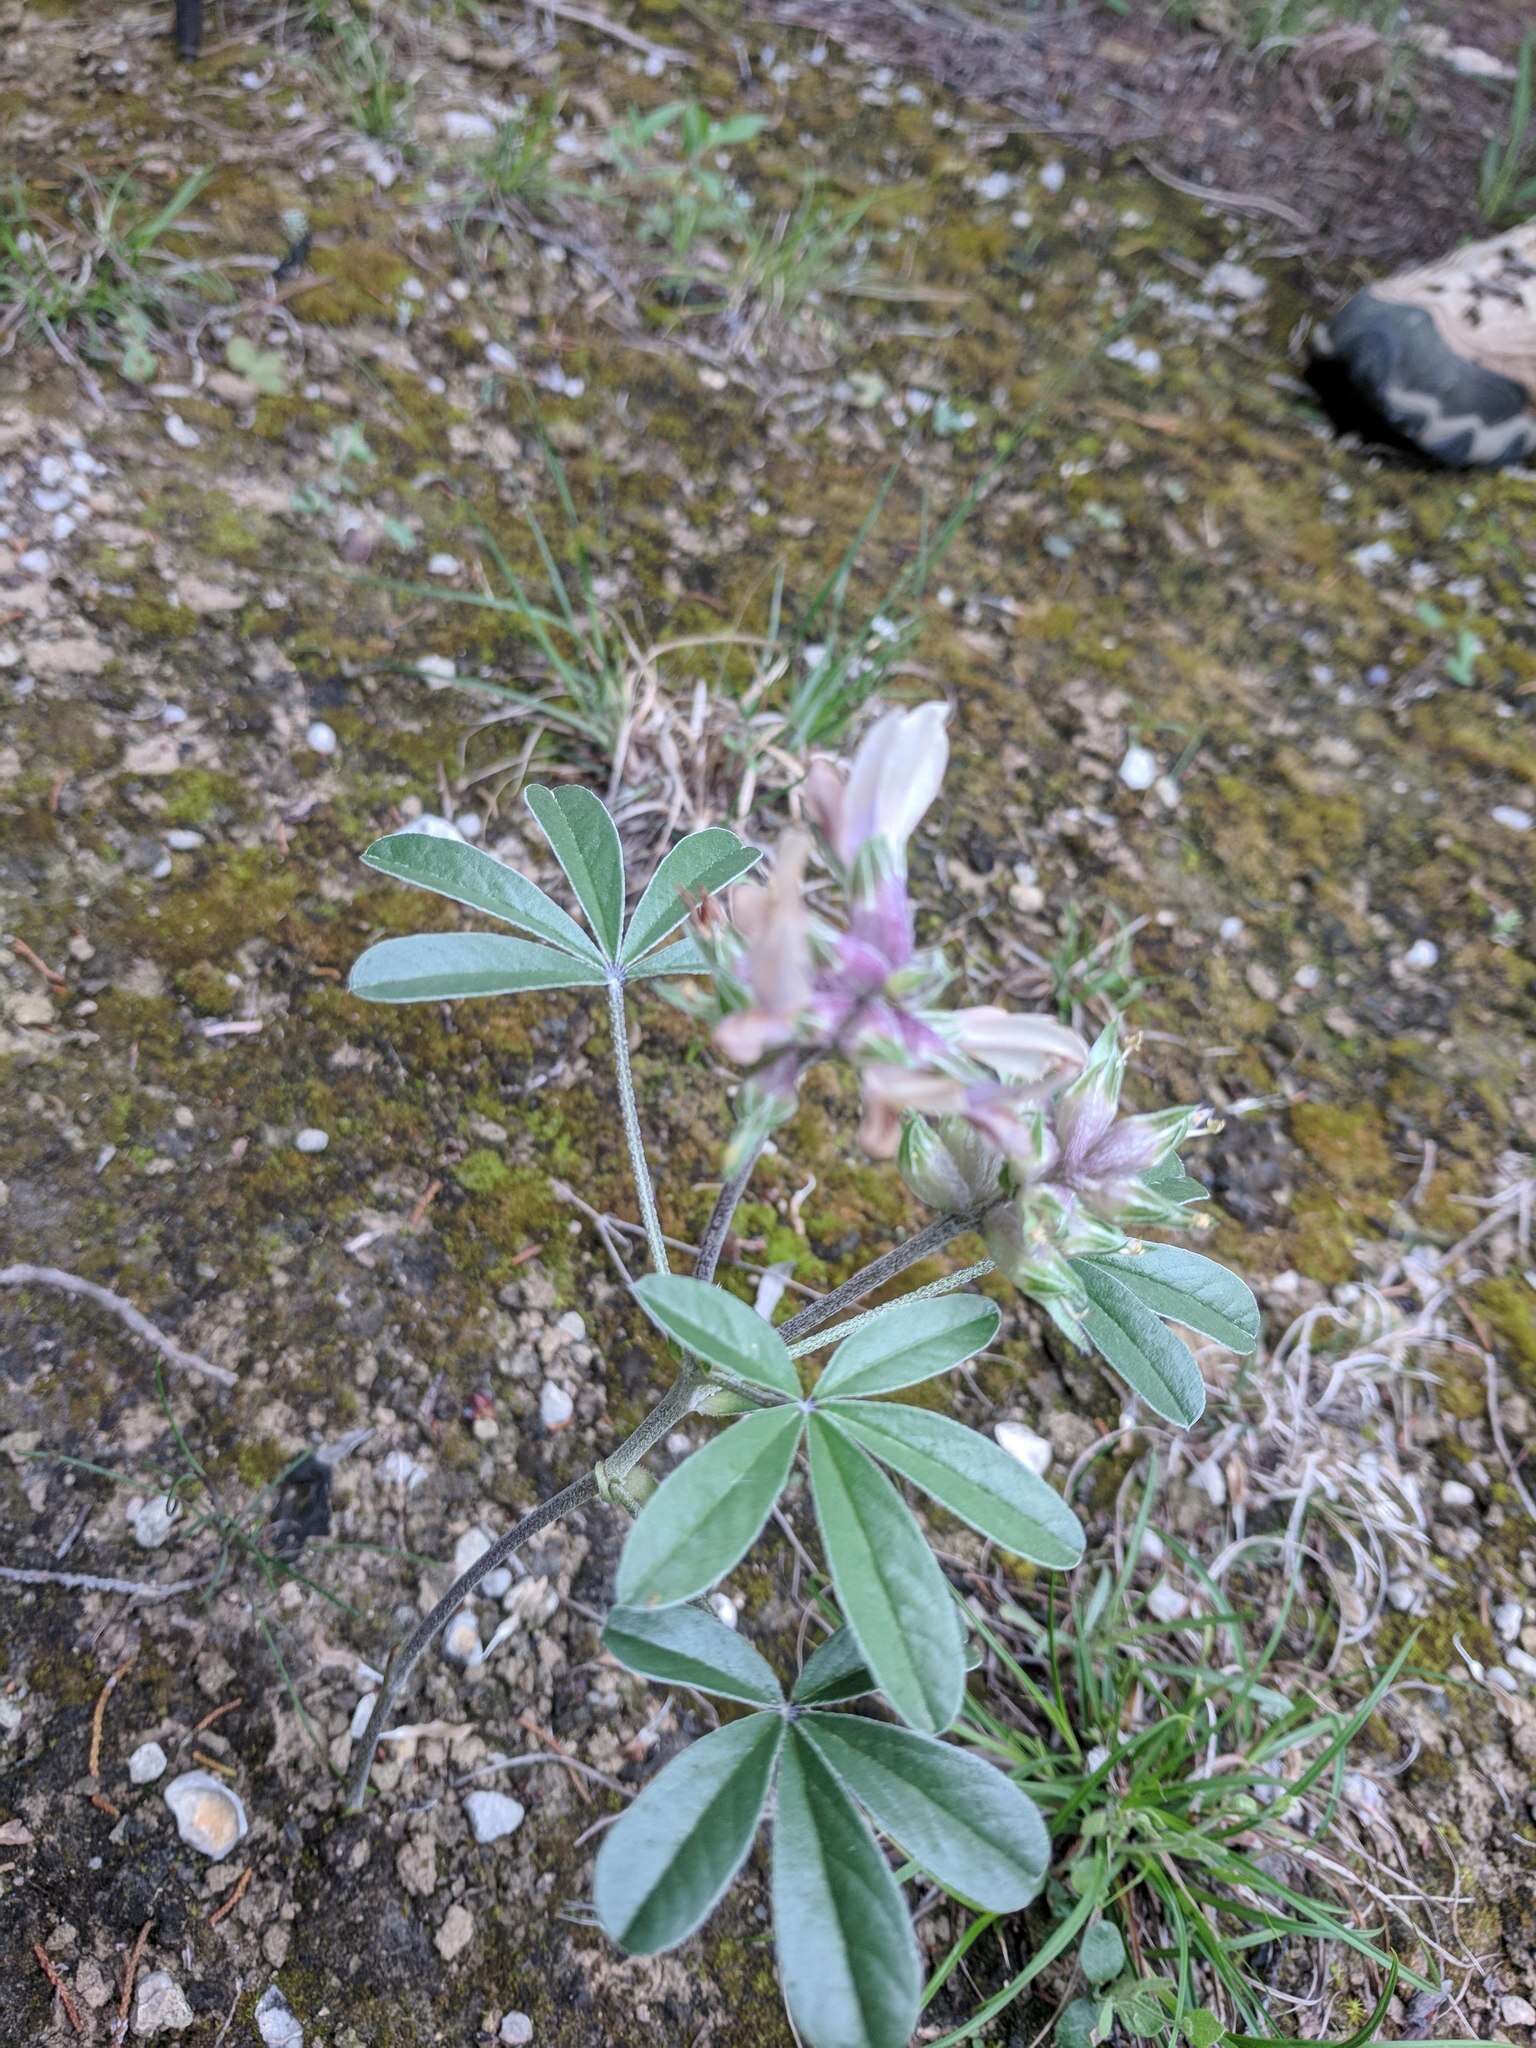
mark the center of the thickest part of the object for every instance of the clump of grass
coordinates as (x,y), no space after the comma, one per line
(1219,1849)
(99,280)
(1506,181)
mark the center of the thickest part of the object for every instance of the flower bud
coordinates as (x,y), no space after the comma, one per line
(720,1401)
(928,1167)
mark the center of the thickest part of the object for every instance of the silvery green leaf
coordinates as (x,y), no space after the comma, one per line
(908,1342)
(707,1513)
(714,1325)
(687,1646)
(835,1671)
(1143,1350)
(668,1858)
(685,957)
(1184,1287)
(446,966)
(467,875)
(697,866)
(585,841)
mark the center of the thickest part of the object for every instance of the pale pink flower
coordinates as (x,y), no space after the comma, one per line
(772,919)
(894,776)
(1032,1051)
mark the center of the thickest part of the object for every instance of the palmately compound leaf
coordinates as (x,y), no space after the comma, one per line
(1185,1287)
(585,841)
(705,1515)
(687,1646)
(668,1858)
(714,1325)
(697,866)
(847,1958)
(834,1671)
(1143,1350)
(444,967)
(466,875)
(908,1342)
(960,1818)
(973,1478)
(1101,1953)
(889,1585)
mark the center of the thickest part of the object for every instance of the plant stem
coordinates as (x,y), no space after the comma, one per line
(654,1241)
(718,1228)
(670,1409)
(947,1285)
(941,1231)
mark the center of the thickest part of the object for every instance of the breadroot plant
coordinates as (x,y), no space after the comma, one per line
(1005,1125)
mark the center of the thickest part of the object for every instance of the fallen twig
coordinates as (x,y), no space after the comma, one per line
(130,1971)
(93,1767)
(88,1582)
(71,1283)
(46,1964)
(591,18)
(237,1893)
(1229,202)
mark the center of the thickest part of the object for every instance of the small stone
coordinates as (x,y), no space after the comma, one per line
(1512,818)
(1235,281)
(1164,1603)
(1263,983)
(1508,1619)
(360,1716)
(555,1407)
(160,2005)
(1521,1661)
(1421,954)
(52,471)
(1516,2011)
(416,1865)
(461,1639)
(1031,1451)
(146,1764)
(276,2021)
(153,1520)
(469,825)
(493,1815)
(1053,176)
(80,656)
(460,126)
(93,1983)
(321,738)
(1455,1493)
(1230,930)
(198,595)
(183,839)
(35,562)
(311,1140)
(725,1608)
(436,670)
(209,1816)
(177,430)
(443,565)
(516,2030)
(455,1934)
(996,185)
(435,827)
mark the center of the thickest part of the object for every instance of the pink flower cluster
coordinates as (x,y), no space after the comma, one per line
(1011,1114)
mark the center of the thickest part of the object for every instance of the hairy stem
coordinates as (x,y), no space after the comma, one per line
(654,1241)
(947,1285)
(592,1486)
(718,1228)
(933,1237)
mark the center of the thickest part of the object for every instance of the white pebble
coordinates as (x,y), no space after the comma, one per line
(1504,1680)
(276,2022)
(996,185)
(435,827)
(516,2030)
(1421,954)
(1164,1603)
(462,126)
(360,1714)
(177,430)
(1139,768)
(51,501)
(1508,1620)
(311,1140)
(146,1764)
(1031,1451)
(571,1325)
(1516,2011)
(1230,930)
(321,738)
(1053,176)
(436,669)
(725,1609)
(209,1816)
(461,1639)
(35,562)
(493,1815)
(1455,1493)
(1512,817)
(443,565)
(153,1520)
(555,1406)
(173,714)
(182,839)
(160,2005)
(62,525)
(469,824)
(1522,1661)
(500,358)
(52,470)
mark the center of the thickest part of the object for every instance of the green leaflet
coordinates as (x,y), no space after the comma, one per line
(888,1582)
(1101,1953)
(705,1515)
(686,1646)
(445,966)
(908,1342)
(714,1325)
(1144,1352)
(962,1819)
(697,866)
(834,1671)
(466,875)
(973,1478)
(847,1958)
(1185,1287)
(683,958)
(585,841)
(668,1857)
